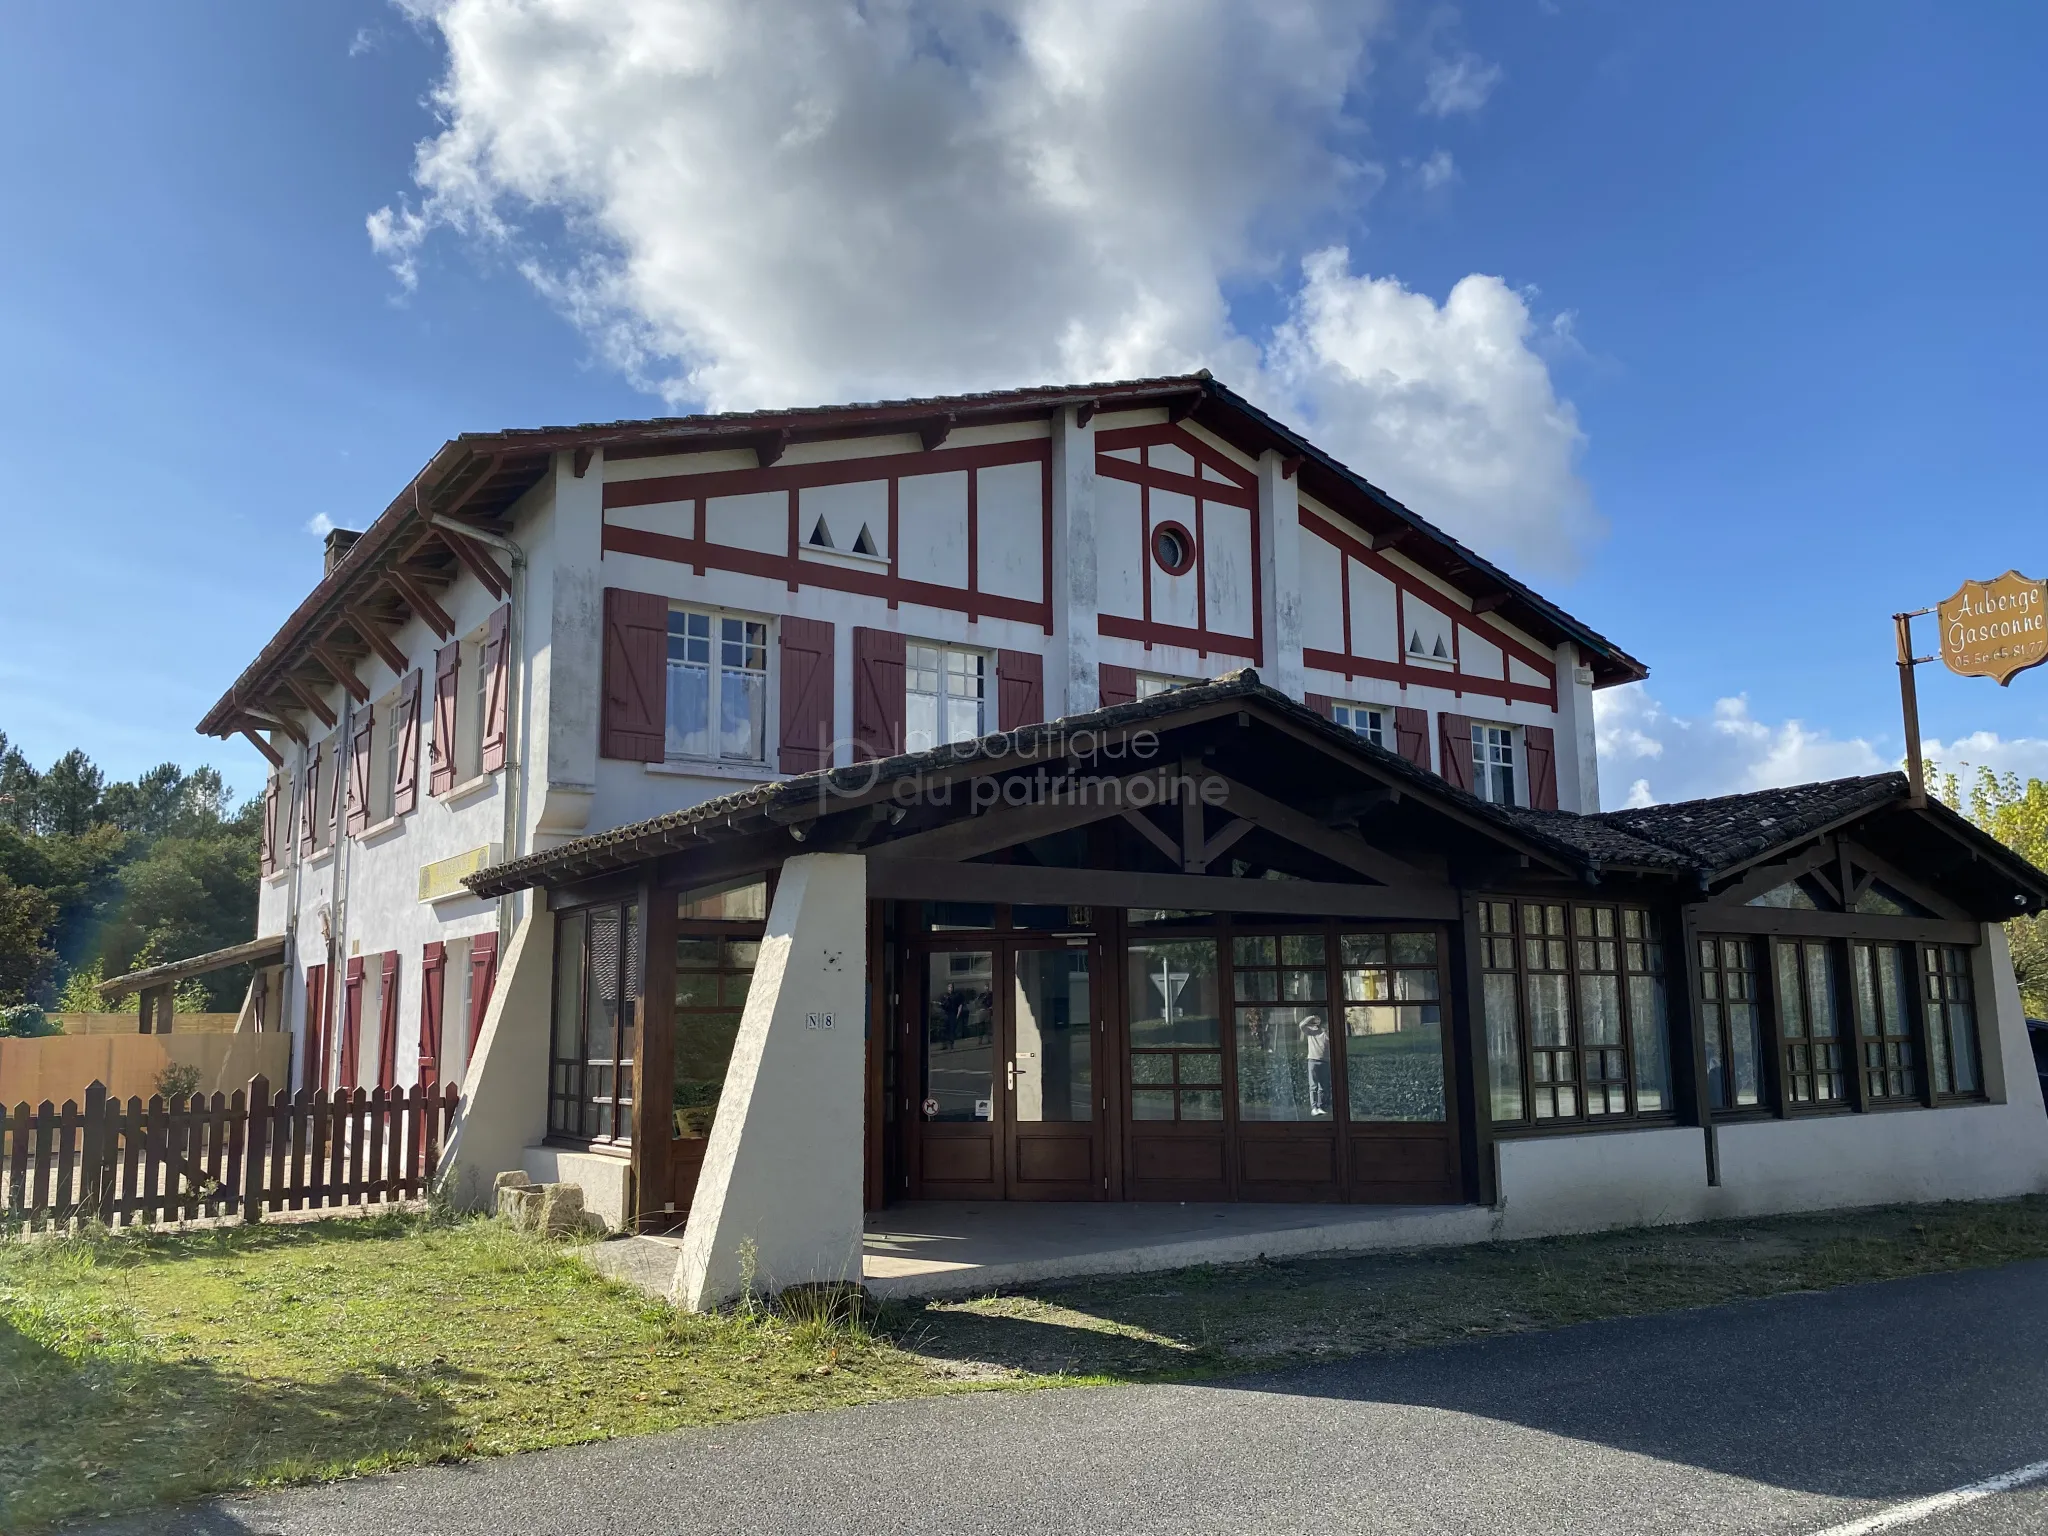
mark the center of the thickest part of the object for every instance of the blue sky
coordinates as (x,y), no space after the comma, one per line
(1782,263)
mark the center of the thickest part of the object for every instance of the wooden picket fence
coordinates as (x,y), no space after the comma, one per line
(234,1157)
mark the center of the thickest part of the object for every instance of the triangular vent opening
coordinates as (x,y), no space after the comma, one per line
(865,544)
(1415,643)
(821,536)
(1440,653)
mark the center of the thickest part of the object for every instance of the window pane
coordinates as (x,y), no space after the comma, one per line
(1172,987)
(1201,1068)
(1820,990)
(1649,1034)
(920,722)
(1255,949)
(1791,991)
(743,716)
(689,709)
(1301,949)
(1147,1067)
(1503,1048)
(1283,1064)
(703,1051)
(1744,1050)
(1549,1011)
(1600,1009)
(1151,1103)
(1054,1028)
(1394,1062)
(1201,1104)
(1369,948)
(960,1053)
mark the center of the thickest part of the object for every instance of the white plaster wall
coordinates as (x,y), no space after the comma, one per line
(1119,544)
(1227,567)
(1578,750)
(846,509)
(1375,618)
(931,515)
(1072,678)
(1010,530)
(758,521)
(781,1190)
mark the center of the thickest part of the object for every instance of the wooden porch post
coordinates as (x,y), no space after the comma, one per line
(1472,1084)
(654,1057)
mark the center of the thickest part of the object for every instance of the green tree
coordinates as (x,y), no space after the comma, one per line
(2016,813)
(68,796)
(26,958)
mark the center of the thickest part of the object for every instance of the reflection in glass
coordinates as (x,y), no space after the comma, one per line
(1054,1029)
(1176,1029)
(711,990)
(1393,1029)
(960,1043)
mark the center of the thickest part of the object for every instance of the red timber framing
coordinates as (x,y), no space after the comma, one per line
(1406,585)
(790,567)
(1238,488)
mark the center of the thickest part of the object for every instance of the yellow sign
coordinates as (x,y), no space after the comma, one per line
(1995,628)
(442,879)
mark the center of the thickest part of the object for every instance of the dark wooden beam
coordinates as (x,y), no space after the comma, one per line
(310,701)
(1768,877)
(934,432)
(1220,844)
(579,465)
(1085,412)
(419,602)
(1184,407)
(323,651)
(1793,923)
(275,720)
(1139,822)
(1346,848)
(1393,539)
(276,758)
(1289,466)
(1491,600)
(477,561)
(770,446)
(935,879)
(371,629)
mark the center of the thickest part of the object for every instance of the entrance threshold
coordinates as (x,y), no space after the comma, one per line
(954,1248)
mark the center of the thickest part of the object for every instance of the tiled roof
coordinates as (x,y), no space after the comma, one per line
(1598,842)
(1730,829)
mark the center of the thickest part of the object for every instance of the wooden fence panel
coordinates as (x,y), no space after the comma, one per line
(216,1156)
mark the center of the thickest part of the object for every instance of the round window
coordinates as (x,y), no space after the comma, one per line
(1173,547)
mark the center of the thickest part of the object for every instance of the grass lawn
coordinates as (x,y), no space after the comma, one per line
(139,1369)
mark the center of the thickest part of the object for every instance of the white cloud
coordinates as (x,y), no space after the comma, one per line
(1462,84)
(1665,757)
(366,40)
(320,525)
(1446,407)
(767,202)
(1439,170)
(2026,756)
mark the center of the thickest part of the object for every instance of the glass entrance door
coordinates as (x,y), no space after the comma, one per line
(1055,1145)
(1010,1105)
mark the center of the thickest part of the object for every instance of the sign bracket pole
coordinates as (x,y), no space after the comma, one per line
(1909,706)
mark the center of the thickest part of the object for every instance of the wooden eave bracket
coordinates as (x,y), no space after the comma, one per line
(770,446)
(1290,466)
(1492,601)
(579,463)
(341,671)
(1394,539)
(935,432)
(256,741)
(1085,412)
(1184,407)
(309,701)
(415,596)
(273,721)
(476,560)
(371,630)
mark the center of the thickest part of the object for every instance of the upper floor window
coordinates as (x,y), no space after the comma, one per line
(1493,764)
(1152,684)
(1368,721)
(717,686)
(945,696)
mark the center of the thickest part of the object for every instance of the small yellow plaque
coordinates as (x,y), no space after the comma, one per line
(443,878)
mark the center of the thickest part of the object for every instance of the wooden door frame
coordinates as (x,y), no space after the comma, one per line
(1014,944)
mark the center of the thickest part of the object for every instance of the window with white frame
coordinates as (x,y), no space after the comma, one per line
(1493,763)
(1152,684)
(945,696)
(384,734)
(717,686)
(1368,720)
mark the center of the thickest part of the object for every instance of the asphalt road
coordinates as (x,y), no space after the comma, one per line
(1796,1415)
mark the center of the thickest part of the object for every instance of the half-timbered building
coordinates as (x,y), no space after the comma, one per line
(1081,794)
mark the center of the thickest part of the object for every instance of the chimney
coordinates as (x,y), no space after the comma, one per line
(338,542)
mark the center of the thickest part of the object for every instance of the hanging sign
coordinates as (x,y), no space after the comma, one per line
(1995,628)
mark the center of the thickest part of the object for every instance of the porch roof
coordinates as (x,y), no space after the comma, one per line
(254,951)
(1579,845)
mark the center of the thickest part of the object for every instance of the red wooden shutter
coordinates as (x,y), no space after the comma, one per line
(359,774)
(268,852)
(1456,749)
(433,985)
(1411,735)
(1322,704)
(497,664)
(351,1023)
(1119,685)
(878,698)
(483,975)
(441,750)
(387,1023)
(309,794)
(635,724)
(405,784)
(337,787)
(1541,742)
(806,680)
(313,1044)
(1020,689)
